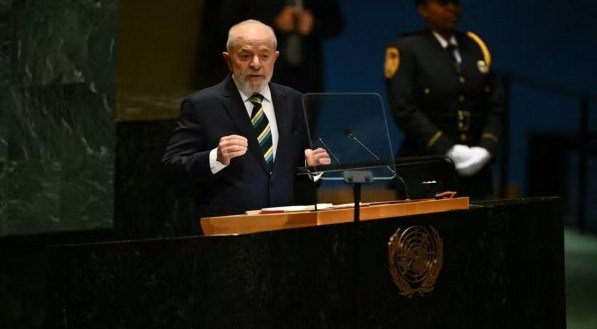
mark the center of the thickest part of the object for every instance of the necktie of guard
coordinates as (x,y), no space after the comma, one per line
(262,128)
(451,48)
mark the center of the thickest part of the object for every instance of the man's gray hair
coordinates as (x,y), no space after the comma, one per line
(232,33)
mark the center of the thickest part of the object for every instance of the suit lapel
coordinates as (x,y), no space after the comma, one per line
(236,109)
(283,119)
(282,110)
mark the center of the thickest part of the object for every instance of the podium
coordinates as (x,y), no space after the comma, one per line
(497,264)
(239,224)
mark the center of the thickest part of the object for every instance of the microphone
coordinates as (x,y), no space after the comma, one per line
(348,133)
(328,149)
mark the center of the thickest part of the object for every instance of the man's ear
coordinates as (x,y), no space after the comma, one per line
(226,57)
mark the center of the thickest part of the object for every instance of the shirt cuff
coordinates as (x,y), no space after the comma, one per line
(316,176)
(214,165)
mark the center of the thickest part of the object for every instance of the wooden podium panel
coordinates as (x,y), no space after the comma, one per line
(240,224)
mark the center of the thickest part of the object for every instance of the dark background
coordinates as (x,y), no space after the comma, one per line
(546,46)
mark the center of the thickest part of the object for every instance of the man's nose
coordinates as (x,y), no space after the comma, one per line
(255,62)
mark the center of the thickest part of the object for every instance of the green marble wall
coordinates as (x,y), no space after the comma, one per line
(57,105)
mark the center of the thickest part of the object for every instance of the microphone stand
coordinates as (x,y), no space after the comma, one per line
(351,136)
(357,178)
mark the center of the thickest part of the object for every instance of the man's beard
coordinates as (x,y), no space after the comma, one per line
(246,86)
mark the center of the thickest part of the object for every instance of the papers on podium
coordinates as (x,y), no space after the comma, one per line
(320,206)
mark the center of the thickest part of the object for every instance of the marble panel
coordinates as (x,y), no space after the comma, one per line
(60,162)
(64,41)
(32,197)
(5,104)
(5,69)
(57,104)
(5,43)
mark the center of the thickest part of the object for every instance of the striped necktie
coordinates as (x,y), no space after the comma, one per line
(262,128)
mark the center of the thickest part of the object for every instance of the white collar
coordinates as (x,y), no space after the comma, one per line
(444,42)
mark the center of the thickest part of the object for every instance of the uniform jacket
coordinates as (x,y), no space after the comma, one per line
(436,104)
(245,184)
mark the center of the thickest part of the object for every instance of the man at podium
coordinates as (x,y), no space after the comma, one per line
(240,142)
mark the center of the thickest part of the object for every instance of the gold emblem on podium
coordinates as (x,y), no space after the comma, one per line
(415,259)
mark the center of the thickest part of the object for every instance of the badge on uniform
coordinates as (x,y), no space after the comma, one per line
(392,61)
(483,68)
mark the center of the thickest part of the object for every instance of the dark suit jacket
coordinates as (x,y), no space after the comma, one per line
(245,184)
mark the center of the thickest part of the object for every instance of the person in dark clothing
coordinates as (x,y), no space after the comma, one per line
(445,96)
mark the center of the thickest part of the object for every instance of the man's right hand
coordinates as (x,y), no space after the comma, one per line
(231,147)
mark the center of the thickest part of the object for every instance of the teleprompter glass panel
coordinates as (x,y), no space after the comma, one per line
(353,128)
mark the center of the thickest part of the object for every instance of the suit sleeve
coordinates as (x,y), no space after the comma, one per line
(401,74)
(186,157)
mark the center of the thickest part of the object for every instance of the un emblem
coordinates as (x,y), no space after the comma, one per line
(415,259)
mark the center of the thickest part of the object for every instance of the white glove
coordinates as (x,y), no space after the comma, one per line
(479,158)
(459,153)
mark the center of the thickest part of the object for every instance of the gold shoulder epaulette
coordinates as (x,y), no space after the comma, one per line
(483,46)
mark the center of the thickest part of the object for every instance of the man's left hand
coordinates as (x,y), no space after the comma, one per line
(317,157)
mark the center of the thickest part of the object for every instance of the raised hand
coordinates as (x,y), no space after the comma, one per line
(231,146)
(316,157)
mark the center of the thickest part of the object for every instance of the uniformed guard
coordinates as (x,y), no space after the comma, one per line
(445,96)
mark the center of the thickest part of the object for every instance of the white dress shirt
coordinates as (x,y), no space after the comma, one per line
(452,41)
(268,109)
